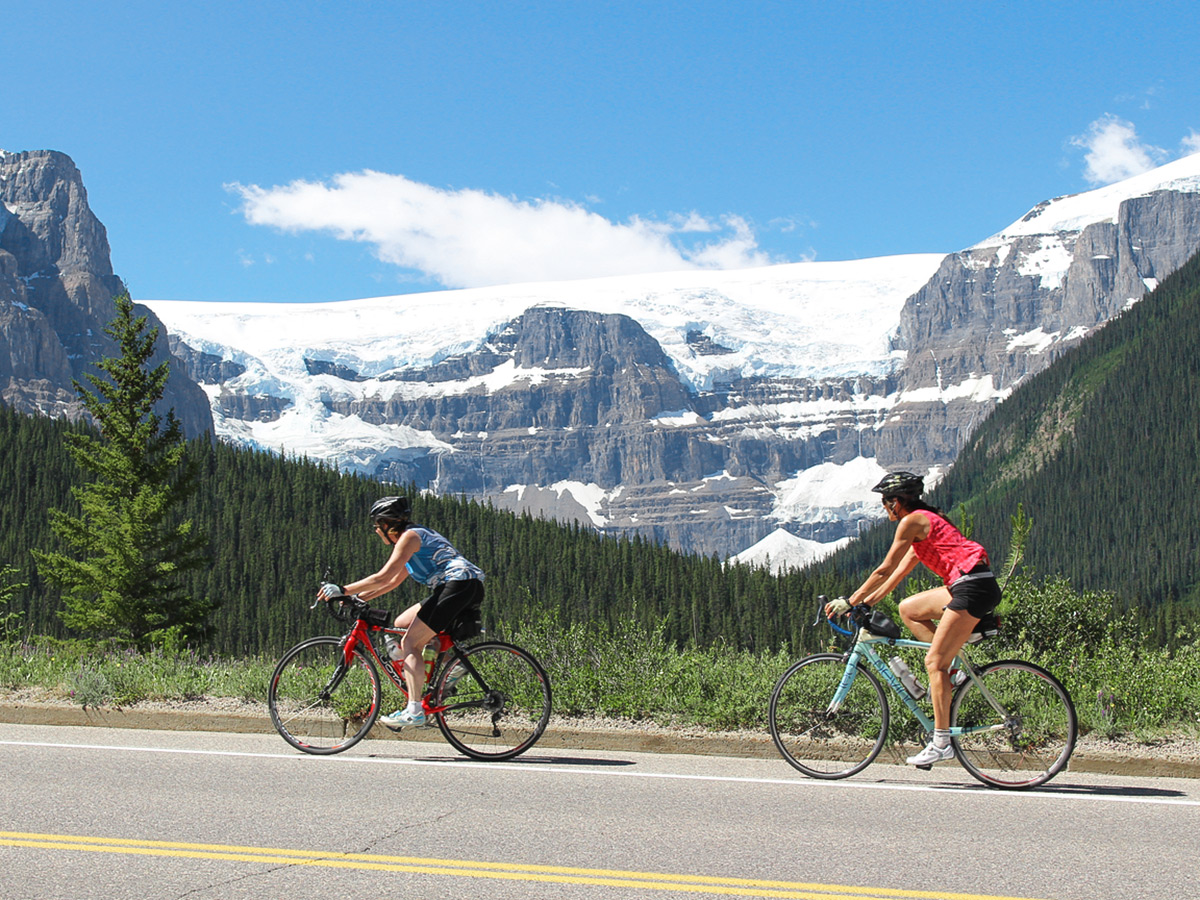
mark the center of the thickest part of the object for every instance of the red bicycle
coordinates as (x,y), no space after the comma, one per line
(490,699)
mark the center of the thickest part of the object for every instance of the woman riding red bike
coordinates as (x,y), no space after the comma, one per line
(429,558)
(945,616)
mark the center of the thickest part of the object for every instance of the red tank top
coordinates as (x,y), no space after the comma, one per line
(945,550)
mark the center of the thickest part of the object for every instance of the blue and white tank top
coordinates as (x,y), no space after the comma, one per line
(437,561)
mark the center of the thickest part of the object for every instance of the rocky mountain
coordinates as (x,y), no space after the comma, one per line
(999,311)
(729,412)
(56,293)
(702,408)
(707,409)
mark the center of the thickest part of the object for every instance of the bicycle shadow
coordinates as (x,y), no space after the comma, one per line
(528,759)
(1101,790)
(1065,789)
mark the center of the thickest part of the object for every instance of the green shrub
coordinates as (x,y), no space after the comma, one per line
(89,687)
(94,674)
(1120,682)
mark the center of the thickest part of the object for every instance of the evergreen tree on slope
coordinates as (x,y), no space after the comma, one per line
(124,579)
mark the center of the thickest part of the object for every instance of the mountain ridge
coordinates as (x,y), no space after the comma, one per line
(798,381)
(56,293)
(705,408)
(1098,450)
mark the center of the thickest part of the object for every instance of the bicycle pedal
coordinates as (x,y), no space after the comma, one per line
(926,768)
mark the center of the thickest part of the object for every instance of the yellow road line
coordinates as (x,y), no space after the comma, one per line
(700,884)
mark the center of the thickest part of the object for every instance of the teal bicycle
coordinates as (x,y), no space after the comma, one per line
(1013,724)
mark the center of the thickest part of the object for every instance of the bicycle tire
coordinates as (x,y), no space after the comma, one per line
(1039,725)
(499,707)
(819,743)
(310,716)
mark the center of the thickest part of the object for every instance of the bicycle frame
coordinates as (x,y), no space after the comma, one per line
(865,648)
(360,636)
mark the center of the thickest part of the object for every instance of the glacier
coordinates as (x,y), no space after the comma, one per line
(802,382)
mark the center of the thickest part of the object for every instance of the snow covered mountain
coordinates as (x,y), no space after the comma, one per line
(711,409)
(648,402)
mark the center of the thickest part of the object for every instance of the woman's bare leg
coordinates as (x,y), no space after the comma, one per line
(417,635)
(952,632)
(921,612)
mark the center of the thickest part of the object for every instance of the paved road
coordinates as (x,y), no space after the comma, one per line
(115,813)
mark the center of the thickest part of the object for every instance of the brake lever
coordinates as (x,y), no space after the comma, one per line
(324,578)
(821,601)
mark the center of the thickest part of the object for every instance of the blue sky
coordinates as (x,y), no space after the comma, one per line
(324,151)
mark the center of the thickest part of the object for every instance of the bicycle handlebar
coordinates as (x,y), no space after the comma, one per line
(857,615)
(351,607)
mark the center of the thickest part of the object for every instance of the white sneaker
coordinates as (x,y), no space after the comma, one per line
(932,754)
(402,717)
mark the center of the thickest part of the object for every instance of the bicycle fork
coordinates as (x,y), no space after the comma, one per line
(340,670)
(843,688)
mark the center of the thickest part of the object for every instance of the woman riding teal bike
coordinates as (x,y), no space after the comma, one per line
(945,616)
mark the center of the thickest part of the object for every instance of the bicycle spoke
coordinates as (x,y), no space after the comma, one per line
(498,707)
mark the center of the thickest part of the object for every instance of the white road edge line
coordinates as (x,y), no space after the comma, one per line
(582,771)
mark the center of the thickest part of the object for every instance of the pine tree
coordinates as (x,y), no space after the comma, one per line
(130,550)
(10,622)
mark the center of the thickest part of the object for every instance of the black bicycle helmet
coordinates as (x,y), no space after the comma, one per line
(900,484)
(390,509)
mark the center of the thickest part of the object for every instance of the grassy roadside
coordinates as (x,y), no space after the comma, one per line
(1120,687)
(630,676)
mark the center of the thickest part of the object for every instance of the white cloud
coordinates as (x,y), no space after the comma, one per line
(1114,151)
(737,251)
(472,238)
(1191,143)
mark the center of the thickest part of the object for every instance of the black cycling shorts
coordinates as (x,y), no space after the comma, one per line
(976,594)
(442,607)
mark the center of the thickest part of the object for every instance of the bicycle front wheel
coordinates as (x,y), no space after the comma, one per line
(1026,725)
(498,703)
(318,702)
(817,739)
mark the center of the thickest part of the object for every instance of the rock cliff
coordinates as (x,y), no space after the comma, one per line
(1003,310)
(56,293)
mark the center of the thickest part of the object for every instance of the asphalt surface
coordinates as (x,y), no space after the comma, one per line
(142,814)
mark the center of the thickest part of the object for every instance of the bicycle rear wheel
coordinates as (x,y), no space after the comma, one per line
(1031,734)
(499,706)
(821,742)
(318,703)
